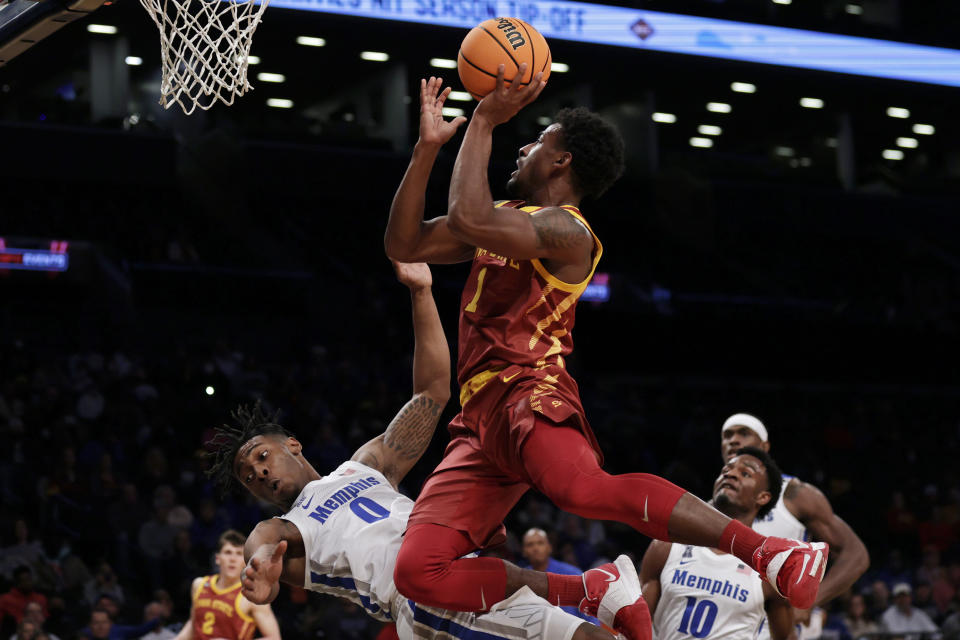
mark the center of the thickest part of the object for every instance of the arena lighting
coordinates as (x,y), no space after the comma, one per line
(271,77)
(892,154)
(310,41)
(253,59)
(102,28)
(907,143)
(443,63)
(671,33)
(210,391)
(665,118)
(898,112)
(133,61)
(374,56)
(786,152)
(782,1)
(703,143)
(451,112)
(811,103)
(709,130)
(924,129)
(544,121)
(854,9)
(461,96)
(280,103)
(719,107)
(743,87)
(559,67)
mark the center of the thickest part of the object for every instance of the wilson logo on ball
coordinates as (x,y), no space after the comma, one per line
(510,31)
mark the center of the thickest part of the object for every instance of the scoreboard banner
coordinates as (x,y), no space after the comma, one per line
(670,33)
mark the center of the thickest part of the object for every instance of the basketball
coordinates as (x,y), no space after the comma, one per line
(506,41)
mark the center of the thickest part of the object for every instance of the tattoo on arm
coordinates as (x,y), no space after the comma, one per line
(558,230)
(410,431)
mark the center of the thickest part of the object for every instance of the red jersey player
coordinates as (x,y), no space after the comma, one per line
(521,422)
(219,611)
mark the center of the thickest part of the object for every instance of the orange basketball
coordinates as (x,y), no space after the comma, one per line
(506,41)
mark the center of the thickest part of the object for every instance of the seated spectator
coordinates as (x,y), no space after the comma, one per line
(33,614)
(536,552)
(158,611)
(856,620)
(26,630)
(951,627)
(903,617)
(101,627)
(103,582)
(14,602)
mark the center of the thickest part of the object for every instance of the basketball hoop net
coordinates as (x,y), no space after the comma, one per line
(204,49)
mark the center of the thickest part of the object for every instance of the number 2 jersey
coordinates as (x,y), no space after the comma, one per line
(706,595)
(217,612)
(352,522)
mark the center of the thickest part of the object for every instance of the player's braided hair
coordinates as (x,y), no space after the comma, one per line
(774,476)
(228,438)
(596,147)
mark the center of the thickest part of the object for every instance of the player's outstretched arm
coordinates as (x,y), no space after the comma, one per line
(409,237)
(650,569)
(274,552)
(397,449)
(849,558)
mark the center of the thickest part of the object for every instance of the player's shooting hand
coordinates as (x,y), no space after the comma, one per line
(261,577)
(504,102)
(415,275)
(433,128)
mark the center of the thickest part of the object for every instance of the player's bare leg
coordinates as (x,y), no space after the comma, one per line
(588,631)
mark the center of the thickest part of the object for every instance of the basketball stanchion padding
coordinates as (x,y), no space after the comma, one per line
(204,49)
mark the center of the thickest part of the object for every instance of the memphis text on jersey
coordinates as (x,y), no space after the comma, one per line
(323,511)
(709,585)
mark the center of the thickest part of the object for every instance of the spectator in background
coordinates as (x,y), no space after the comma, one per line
(24,552)
(903,617)
(879,599)
(14,602)
(33,614)
(158,611)
(856,620)
(951,627)
(104,582)
(537,552)
(26,630)
(101,627)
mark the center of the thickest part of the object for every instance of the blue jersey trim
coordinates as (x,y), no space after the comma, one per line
(346,582)
(449,626)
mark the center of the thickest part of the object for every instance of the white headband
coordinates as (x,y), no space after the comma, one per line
(746,420)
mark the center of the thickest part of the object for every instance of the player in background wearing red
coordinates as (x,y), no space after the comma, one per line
(521,422)
(219,609)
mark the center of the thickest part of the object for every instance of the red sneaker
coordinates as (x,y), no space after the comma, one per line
(794,568)
(613,596)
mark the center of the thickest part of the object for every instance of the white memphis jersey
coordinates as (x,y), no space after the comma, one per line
(352,522)
(779,521)
(706,595)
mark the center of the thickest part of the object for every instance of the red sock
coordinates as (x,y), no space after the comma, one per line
(740,540)
(565,591)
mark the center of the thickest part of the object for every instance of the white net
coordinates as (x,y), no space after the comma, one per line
(204,49)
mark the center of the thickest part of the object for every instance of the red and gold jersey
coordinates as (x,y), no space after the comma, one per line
(217,612)
(515,312)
